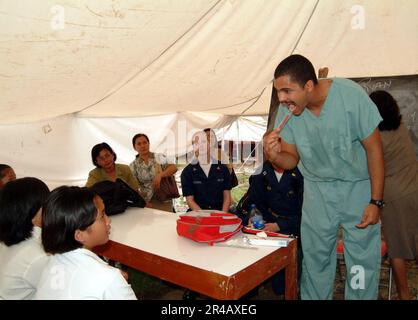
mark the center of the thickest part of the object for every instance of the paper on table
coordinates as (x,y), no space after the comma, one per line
(240,242)
(269,242)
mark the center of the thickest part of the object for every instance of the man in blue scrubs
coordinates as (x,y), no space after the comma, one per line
(334,140)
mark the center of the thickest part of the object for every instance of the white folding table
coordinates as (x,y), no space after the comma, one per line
(146,239)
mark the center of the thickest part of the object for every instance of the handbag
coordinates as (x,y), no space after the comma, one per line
(168,187)
(117,196)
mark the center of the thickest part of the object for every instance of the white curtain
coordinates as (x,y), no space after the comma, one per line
(58,150)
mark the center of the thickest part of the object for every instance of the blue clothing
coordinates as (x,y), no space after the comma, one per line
(206,190)
(334,204)
(336,190)
(278,201)
(330,145)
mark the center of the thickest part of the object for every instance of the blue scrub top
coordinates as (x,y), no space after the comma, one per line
(207,191)
(330,145)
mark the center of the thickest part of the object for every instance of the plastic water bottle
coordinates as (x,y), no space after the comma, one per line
(256,218)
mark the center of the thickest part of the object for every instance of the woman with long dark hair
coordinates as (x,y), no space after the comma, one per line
(400,215)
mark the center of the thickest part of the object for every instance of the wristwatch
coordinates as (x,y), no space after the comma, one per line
(379,203)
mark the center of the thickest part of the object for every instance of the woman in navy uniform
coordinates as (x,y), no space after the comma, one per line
(206,182)
(278,195)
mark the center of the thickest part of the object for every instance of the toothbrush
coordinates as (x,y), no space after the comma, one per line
(285,119)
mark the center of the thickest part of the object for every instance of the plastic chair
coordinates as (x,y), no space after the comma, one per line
(384,255)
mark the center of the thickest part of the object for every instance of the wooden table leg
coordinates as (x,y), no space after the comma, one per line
(291,273)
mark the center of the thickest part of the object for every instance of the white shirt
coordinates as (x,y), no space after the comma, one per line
(80,275)
(21,266)
(202,163)
(278,175)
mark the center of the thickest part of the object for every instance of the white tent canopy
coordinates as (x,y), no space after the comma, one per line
(87,68)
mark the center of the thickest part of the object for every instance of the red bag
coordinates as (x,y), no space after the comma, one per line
(207,226)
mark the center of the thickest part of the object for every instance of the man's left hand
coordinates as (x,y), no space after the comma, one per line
(371,215)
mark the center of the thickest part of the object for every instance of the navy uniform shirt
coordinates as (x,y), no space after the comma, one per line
(207,191)
(278,201)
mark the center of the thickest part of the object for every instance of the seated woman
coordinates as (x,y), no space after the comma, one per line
(278,195)
(206,182)
(21,254)
(6,174)
(73,223)
(400,214)
(148,168)
(104,158)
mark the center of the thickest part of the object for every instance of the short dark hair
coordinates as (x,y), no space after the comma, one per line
(66,210)
(20,200)
(298,68)
(139,135)
(95,151)
(3,168)
(388,109)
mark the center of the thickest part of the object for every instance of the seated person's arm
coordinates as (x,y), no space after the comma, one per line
(191,203)
(271,227)
(162,162)
(169,171)
(187,189)
(226,201)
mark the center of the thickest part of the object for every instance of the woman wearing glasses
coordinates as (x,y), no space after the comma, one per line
(104,158)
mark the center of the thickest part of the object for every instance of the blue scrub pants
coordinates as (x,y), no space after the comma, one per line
(326,206)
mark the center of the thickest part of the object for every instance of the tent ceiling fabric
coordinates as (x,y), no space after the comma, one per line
(151,57)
